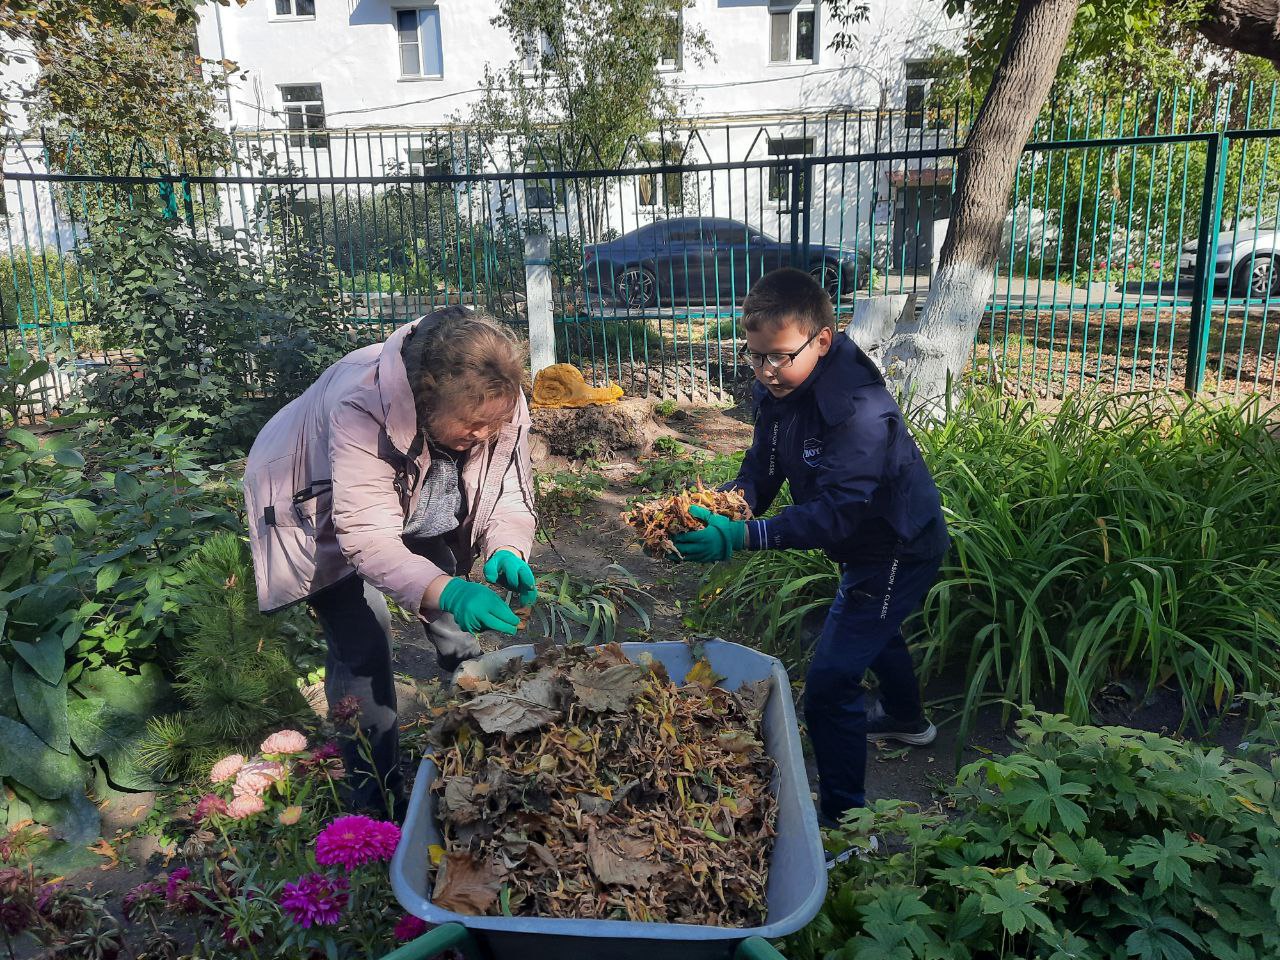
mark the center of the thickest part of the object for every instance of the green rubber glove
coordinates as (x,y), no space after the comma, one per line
(715,542)
(476,607)
(506,569)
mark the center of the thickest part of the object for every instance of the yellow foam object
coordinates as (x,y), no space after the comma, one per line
(562,385)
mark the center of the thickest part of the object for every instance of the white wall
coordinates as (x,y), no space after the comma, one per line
(350,48)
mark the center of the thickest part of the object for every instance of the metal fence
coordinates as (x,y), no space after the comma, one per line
(1141,250)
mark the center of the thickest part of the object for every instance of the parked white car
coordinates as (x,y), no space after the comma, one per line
(1248,257)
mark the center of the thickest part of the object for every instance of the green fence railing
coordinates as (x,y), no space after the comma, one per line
(1141,250)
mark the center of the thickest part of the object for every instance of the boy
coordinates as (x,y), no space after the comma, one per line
(826,423)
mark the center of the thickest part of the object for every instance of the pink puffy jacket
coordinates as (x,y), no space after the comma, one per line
(329,483)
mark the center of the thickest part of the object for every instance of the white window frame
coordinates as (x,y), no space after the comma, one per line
(534,52)
(792,11)
(417,10)
(275,15)
(305,135)
(677,64)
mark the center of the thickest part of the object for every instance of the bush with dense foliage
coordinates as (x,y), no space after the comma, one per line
(1087,843)
(235,669)
(93,538)
(217,327)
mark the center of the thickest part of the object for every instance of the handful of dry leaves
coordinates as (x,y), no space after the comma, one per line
(659,520)
(587,786)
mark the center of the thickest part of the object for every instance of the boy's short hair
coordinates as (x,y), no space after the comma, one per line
(788,295)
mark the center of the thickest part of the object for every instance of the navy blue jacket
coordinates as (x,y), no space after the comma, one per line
(860,488)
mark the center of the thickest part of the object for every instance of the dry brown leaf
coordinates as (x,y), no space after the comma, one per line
(614,860)
(507,714)
(610,689)
(466,886)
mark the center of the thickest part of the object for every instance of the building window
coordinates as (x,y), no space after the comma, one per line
(304,110)
(920,77)
(418,31)
(780,178)
(535,50)
(672,41)
(793,33)
(544,194)
(654,190)
(429,162)
(294,9)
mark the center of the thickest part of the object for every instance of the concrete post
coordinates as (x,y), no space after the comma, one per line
(537,285)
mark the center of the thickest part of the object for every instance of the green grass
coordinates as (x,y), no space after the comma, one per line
(1116,540)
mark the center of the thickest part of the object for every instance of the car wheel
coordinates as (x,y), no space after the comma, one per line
(828,275)
(636,287)
(1257,278)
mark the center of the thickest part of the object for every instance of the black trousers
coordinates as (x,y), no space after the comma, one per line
(357,631)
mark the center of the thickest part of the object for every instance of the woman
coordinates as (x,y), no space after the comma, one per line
(404,463)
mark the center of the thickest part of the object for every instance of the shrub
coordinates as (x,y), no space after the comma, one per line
(1086,844)
(217,328)
(236,669)
(90,553)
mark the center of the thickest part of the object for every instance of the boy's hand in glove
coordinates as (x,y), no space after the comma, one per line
(715,542)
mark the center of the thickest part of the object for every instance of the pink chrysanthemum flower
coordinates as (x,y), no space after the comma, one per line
(353,841)
(208,805)
(284,741)
(226,768)
(410,927)
(315,899)
(244,806)
(256,777)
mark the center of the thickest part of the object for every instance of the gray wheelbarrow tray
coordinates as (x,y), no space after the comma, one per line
(797,870)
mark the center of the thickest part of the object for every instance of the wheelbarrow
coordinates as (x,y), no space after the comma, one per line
(797,880)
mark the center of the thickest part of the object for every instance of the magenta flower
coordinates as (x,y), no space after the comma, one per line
(180,892)
(142,898)
(410,927)
(353,841)
(315,899)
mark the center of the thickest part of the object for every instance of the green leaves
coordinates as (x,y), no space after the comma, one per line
(1170,858)
(1193,873)
(1050,802)
(25,758)
(43,706)
(1015,904)
(102,729)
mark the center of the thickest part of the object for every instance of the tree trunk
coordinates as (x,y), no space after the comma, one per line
(1249,26)
(925,352)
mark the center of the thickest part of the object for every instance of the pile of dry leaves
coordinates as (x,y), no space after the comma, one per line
(587,786)
(659,520)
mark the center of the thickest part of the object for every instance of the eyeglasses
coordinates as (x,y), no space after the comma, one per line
(775,360)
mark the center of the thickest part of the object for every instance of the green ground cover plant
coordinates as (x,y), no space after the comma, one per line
(1086,843)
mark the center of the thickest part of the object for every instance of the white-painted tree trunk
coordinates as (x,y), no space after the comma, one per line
(927,354)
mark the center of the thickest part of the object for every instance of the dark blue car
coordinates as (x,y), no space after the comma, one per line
(706,260)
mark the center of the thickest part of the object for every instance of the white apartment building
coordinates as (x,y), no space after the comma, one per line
(409,64)
(360,88)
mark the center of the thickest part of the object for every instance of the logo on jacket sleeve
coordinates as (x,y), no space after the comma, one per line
(812,452)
